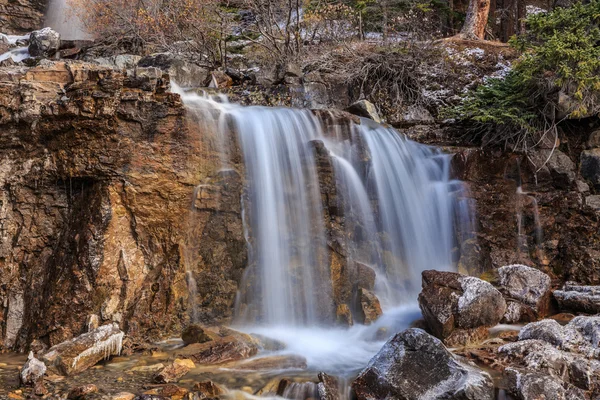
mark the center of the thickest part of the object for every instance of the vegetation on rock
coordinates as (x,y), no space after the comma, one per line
(555,78)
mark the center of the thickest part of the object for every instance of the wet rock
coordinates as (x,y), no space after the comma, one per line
(547,330)
(33,371)
(194,334)
(92,322)
(517,312)
(123,396)
(366,109)
(578,298)
(369,308)
(553,162)
(413,365)
(528,285)
(233,347)
(329,387)
(81,392)
(273,363)
(343,315)
(526,385)
(459,308)
(182,72)
(78,354)
(220,79)
(44,43)
(173,372)
(267,343)
(365,276)
(148,368)
(209,389)
(170,391)
(590,166)
(40,389)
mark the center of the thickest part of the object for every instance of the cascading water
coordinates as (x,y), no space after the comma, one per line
(62,19)
(400,212)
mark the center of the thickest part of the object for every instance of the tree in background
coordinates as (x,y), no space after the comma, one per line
(476,20)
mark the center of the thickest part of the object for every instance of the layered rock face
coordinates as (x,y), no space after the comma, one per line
(21,16)
(97,177)
(536,210)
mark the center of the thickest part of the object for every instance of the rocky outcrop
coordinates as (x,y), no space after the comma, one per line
(566,356)
(23,16)
(458,308)
(415,365)
(578,298)
(98,172)
(184,73)
(78,354)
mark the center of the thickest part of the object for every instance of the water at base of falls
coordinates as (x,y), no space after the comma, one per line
(392,201)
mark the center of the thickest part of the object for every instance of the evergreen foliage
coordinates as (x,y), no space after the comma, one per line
(560,58)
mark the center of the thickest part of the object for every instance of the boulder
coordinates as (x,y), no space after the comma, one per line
(182,72)
(328,387)
(44,43)
(547,330)
(517,312)
(414,115)
(33,371)
(80,392)
(78,354)
(366,109)
(578,298)
(173,372)
(528,285)
(233,346)
(459,308)
(368,306)
(416,365)
(556,165)
(590,166)
(194,334)
(527,385)
(220,79)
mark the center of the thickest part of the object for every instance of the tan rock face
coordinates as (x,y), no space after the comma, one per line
(17,17)
(97,175)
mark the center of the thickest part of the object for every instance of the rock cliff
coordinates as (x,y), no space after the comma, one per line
(96,181)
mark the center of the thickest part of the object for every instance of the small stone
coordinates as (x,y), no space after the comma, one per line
(33,371)
(209,389)
(123,396)
(172,373)
(185,362)
(81,392)
(148,368)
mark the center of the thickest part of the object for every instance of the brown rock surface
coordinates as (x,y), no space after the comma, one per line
(18,17)
(96,181)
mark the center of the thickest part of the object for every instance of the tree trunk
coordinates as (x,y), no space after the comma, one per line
(476,20)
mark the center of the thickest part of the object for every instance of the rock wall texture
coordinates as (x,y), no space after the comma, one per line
(551,222)
(21,16)
(97,173)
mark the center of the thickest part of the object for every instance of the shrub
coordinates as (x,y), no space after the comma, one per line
(560,59)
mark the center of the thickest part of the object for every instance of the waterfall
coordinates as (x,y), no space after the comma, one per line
(400,213)
(62,19)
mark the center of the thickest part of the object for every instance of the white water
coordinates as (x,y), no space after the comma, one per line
(62,19)
(401,210)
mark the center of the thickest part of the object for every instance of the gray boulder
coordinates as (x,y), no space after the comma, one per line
(578,298)
(44,43)
(528,285)
(459,308)
(33,371)
(528,385)
(416,365)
